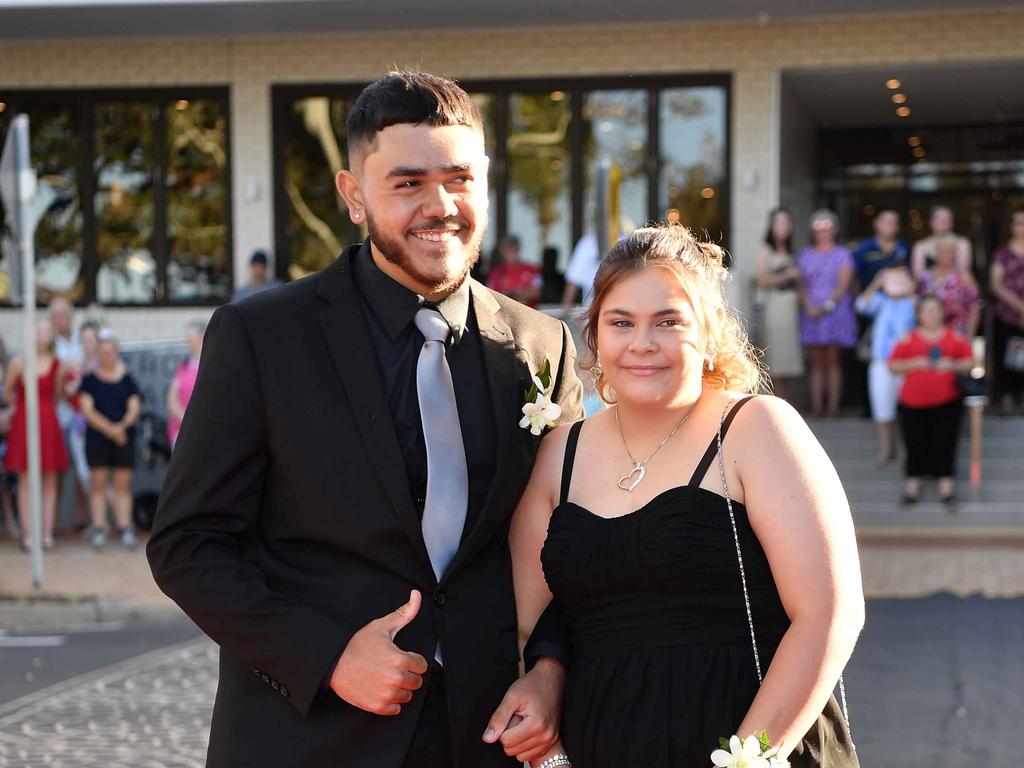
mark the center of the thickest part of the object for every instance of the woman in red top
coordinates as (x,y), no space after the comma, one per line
(930,356)
(52,451)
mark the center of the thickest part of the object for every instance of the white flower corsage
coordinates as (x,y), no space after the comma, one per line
(539,412)
(752,752)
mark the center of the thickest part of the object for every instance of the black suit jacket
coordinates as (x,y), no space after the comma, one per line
(286,524)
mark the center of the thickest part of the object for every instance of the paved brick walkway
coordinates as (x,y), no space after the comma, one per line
(152,711)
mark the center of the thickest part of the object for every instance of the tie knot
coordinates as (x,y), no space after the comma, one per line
(432,325)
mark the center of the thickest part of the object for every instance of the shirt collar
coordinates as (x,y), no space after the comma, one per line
(396,306)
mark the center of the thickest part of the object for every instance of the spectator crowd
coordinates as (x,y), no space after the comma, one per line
(89,410)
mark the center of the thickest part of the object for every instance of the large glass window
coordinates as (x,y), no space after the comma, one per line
(123,203)
(539,161)
(664,141)
(615,133)
(692,157)
(135,189)
(317,222)
(196,184)
(54,134)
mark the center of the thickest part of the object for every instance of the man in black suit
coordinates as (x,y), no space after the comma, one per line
(363,600)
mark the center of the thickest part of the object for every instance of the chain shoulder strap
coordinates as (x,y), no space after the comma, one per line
(743,571)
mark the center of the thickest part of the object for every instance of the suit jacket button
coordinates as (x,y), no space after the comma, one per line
(440,598)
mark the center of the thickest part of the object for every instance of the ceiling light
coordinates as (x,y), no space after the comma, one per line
(2,106)
(182,105)
(903,111)
(899,98)
(918,151)
(557,95)
(893,84)
(869,210)
(914,141)
(707,193)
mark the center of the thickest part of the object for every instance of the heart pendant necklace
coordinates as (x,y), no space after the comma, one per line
(639,470)
(631,480)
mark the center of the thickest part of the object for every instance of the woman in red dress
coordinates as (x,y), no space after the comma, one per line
(54,457)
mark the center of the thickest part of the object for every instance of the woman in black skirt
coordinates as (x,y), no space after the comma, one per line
(111,403)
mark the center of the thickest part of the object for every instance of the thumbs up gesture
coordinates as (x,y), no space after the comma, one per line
(373,673)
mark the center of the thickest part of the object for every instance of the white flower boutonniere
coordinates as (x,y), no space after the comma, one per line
(752,752)
(539,412)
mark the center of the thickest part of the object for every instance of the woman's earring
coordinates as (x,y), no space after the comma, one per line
(356,215)
(596,369)
(711,362)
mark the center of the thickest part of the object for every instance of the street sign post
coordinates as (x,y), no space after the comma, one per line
(18,190)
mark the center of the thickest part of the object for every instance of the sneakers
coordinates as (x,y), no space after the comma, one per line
(128,540)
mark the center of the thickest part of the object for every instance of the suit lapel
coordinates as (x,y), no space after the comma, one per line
(501,364)
(348,341)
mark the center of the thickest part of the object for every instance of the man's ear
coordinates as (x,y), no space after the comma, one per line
(351,192)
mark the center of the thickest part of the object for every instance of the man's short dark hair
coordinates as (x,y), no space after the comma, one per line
(417,98)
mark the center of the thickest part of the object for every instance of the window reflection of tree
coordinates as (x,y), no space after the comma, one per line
(124,202)
(315,152)
(694,188)
(538,154)
(58,238)
(198,266)
(615,128)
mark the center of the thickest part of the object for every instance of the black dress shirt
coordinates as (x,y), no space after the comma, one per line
(390,310)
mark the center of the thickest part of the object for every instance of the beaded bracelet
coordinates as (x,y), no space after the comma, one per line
(555,760)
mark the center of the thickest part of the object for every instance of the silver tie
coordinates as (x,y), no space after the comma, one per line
(444,512)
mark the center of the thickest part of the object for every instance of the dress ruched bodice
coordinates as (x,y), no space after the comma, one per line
(663,663)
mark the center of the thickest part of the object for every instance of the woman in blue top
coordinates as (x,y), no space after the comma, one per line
(889,301)
(111,403)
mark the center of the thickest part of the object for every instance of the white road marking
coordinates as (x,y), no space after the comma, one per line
(33,641)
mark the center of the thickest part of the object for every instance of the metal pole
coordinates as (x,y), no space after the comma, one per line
(26,248)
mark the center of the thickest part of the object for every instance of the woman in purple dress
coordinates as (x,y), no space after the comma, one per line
(827,323)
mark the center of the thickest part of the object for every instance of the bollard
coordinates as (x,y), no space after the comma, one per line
(976,408)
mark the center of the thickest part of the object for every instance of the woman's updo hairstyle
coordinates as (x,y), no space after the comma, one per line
(699,268)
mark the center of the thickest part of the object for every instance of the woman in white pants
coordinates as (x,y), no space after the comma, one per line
(889,301)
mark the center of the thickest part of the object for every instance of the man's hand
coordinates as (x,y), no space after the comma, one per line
(373,673)
(526,721)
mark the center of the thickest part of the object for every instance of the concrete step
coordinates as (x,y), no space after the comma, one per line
(844,424)
(887,491)
(853,471)
(866,448)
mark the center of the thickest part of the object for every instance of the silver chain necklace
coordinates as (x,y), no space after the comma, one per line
(626,482)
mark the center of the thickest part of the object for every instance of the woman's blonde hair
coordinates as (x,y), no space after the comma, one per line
(732,362)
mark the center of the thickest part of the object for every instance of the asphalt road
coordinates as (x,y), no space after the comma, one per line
(935,683)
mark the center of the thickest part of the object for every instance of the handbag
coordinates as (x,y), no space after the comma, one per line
(1013,358)
(829,742)
(970,386)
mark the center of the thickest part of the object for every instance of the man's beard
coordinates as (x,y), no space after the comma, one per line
(394,252)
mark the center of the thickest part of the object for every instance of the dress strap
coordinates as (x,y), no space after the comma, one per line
(712,451)
(570,458)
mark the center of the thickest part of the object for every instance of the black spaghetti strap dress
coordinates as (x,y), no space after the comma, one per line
(662,655)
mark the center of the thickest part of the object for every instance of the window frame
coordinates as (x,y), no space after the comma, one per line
(283,94)
(84,101)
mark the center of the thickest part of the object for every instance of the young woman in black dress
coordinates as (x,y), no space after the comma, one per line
(626,523)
